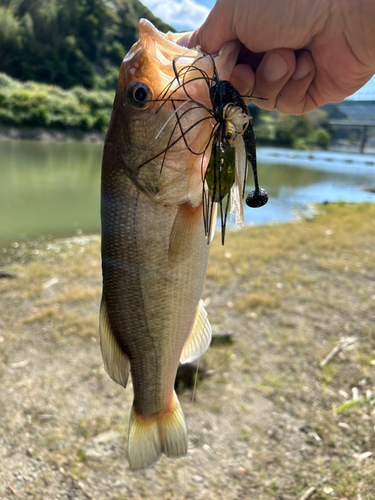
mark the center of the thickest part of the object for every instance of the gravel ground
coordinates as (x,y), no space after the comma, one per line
(271,416)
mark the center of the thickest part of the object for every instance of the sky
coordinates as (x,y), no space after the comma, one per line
(181,14)
(189,14)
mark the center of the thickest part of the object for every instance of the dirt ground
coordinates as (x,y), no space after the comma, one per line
(267,421)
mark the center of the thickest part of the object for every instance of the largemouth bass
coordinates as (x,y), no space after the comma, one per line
(154,245)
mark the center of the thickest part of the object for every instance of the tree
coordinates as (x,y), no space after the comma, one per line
(69,42)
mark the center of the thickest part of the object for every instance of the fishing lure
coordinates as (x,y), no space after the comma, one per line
(232,142)
(233,134)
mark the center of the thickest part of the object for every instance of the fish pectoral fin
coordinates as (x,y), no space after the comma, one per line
(199,338)
(150,436)
(116,362)
(187,227)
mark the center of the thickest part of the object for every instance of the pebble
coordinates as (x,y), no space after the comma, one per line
(355,394)
(343,394)
(344,425)
(363,456)
(103,444)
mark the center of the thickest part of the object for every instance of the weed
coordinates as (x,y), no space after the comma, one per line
(352,405)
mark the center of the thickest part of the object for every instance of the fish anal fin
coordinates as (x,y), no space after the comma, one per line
(199,338)
(187,226)
(150,436)
(116,362)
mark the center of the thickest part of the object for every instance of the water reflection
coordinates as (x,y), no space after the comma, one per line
(53,188)
(294,180)
(48,188)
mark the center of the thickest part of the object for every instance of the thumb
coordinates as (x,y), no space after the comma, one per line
(213,33)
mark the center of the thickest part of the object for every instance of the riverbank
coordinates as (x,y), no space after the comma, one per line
(76,135)
(50,135)
(267,421)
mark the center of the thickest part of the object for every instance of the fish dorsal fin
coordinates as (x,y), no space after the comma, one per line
(199,338)
(116,362)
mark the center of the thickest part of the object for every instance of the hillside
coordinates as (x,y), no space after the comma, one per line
(69,42)
(354,110)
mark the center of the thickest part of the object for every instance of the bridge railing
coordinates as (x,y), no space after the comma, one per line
(361,96)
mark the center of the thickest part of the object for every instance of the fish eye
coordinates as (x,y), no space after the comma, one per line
(139,95)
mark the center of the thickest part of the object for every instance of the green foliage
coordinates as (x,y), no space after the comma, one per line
(39,105)
(291,128)
(321,137)
(300,132)
(69,42)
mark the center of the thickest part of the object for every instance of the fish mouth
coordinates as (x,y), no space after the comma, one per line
(169,59)
(170,40)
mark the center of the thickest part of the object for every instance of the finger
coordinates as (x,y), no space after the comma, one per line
(215,31)
(243,79)
(294,98)
(185,39)
(275,69)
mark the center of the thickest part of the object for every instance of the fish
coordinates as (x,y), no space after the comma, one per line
(154,236)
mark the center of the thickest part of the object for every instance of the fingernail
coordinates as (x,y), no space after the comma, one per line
(302,70)
(275,68)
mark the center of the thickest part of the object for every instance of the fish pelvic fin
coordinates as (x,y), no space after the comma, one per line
(116,362)
(150,436)
(199,338)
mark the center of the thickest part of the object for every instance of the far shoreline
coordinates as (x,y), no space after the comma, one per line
(50,135)
(41,134)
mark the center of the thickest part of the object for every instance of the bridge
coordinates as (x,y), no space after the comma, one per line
(362,125)
(359,98)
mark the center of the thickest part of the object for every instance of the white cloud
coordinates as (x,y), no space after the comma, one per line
(184,14)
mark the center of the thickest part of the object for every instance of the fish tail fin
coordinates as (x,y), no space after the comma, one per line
(150,436)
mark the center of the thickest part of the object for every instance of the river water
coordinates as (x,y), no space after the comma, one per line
(54,188)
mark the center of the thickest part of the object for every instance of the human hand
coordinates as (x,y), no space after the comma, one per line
(297,54)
